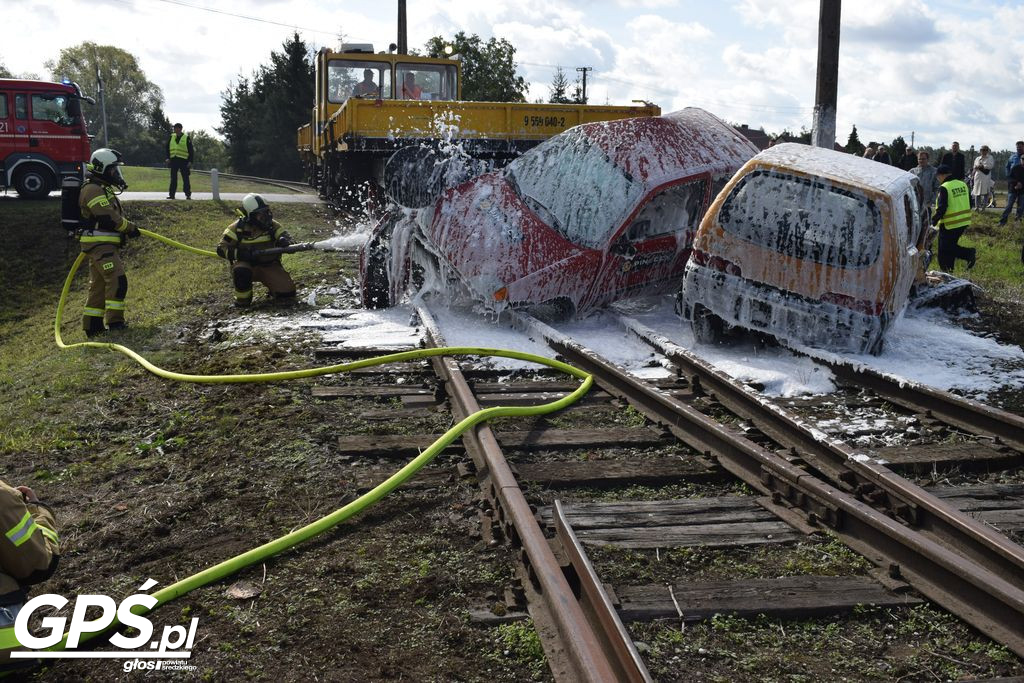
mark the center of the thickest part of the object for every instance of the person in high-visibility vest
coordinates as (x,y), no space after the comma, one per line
(952,216)
(180,153)
(29,553)
(104,229)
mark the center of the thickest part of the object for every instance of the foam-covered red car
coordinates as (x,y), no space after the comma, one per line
(601,212)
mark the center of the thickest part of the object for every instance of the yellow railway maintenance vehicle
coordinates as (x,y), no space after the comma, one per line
(368,105)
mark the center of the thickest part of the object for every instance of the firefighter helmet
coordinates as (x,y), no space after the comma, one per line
(105,165)
(257,210)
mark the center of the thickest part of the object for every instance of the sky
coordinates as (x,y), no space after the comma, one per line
(937,70)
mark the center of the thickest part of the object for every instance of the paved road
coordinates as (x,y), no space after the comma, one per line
(231,197)
(296,197)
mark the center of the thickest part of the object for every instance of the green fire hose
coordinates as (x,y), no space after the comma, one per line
(234,564)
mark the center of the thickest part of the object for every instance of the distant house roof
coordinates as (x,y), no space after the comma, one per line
(758,137)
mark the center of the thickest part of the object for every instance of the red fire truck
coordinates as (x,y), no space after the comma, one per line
(43,137)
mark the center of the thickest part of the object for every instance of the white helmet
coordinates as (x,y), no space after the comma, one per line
(104,164)
(257,210)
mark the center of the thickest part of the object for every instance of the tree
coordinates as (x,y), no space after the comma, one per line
(897,149)
(131,99)
(488,69)
(4,73)
(260,115)
(210,152)
(559,87)
(853,143)
(577,92)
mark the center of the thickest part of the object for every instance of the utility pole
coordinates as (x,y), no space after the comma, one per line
(584,70)
(103,102)
(823,129)
(403,32)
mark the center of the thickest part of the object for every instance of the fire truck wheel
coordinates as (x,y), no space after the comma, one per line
(33,183)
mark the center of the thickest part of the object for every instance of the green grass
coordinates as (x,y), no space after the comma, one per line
(142,179)
(167,289)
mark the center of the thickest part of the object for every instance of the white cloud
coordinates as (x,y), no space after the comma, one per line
(942,69)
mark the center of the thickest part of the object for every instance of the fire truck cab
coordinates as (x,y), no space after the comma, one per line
(43,136)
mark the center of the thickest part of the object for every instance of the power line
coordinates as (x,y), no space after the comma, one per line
(780,108)
(245,16)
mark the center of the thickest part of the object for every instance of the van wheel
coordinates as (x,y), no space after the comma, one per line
(876,347)
(32,183)
(376,285)
(708,328)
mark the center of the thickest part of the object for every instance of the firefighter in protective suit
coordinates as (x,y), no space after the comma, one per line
(104,229)
(29,553)
(254,230)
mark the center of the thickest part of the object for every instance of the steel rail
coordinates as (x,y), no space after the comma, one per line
(975,594)
(866,479)
(578,641)
(964,413)
(597,604)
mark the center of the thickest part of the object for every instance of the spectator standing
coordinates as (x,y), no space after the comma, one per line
(1015,191)
(882,155)
(984,186)
(180,154)
(954,158)
(869,152)
(909,160)
(929,182)
(1015,159)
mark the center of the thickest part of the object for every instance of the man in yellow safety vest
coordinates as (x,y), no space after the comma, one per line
(29,553)
(953,216)
(179,156)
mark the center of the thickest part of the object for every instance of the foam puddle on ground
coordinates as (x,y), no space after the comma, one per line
(925,346)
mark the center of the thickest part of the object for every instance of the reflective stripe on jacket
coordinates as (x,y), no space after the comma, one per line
(178,149)
(243,234)
(29,547)
(958,205)
(101,207)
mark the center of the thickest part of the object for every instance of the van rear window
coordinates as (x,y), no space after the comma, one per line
(804,218)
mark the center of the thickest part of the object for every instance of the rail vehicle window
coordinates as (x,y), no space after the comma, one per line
(3,106)
(677,209)
(21,106)
(53,108)
(434,82)
(570,183)
(347,78)
(804,218)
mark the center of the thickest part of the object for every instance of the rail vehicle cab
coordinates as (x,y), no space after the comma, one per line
(43,136)
(808,245)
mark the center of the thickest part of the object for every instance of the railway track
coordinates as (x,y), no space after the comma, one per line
(809,483)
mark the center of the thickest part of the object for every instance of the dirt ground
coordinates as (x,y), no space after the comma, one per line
(159,479)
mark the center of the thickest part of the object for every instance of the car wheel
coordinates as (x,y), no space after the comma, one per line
(553,310)
(376,284)
(708,328)
(32,183)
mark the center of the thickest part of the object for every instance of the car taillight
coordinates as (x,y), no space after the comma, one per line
(859,305)
(702,258)
(501,294)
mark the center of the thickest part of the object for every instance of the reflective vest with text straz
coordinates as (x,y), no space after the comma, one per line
(958,205)
(179,147)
